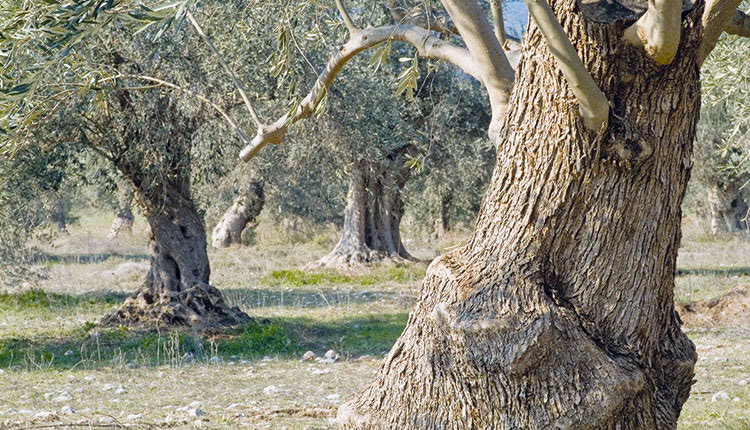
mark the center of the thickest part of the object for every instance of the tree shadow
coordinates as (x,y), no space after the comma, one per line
(46,257)
(91,347)
(256,298)
(716,271)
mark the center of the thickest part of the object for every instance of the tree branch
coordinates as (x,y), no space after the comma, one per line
(592,103)
(739,24)
(497,74)
(658,30)
(345,16)
(245,138)
(226,67)
(428,45)
(499,25)
(716,16)
(420,18)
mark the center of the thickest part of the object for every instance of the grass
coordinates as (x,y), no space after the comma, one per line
(52,353)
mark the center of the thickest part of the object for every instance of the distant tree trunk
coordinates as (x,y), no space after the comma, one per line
(371,219)
(442,223)
(246,208)
(728,208)
(123,222)
(558,313)
(56,207)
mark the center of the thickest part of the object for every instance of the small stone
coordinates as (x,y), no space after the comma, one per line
(195,405)
(736,400)
(331,354)
(44,415)
(63,397)
(69,353)
(48,396)
(320,371)
(742,382)
(120,390)
(189,357)
(107,387)
(719,396)
(233,406)
(268,358)
(133,417)
(196,412)
(67,410)
(130,365)
(332,397)
(308,356)
(106,420)
(215,360)
(271,389)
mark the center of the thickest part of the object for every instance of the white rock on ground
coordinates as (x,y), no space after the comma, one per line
(67,410)
(120,390)
(63,397)
(742,382)
(308,356)
(133,417)
(719,396)
(216,360)
(271,389)
(196,412)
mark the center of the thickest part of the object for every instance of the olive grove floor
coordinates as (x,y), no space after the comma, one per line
(58,369)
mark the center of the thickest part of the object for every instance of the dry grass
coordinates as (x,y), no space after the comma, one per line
(52,355)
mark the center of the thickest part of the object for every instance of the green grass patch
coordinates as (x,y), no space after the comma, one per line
(298,278)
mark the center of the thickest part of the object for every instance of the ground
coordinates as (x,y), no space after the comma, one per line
(58,367)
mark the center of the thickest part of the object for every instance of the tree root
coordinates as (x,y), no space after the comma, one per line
(200,306)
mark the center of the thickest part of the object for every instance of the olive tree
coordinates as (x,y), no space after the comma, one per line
(558,311)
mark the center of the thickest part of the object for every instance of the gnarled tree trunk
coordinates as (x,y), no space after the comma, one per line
(728,208)
(558,312)
(176,290)
(244,210)
(123,222)
(371,219)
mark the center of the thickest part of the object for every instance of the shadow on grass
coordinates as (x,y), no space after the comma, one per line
(36,299)
(89,347)
(254,298)
(716,271)
(87,258)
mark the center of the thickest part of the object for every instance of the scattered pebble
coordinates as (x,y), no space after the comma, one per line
(742,382)
(271,389)
(215,360)
(268,358)
(233,406)
(130,365)
(308,356)
(196,412)
(106,420)
(120,390)
(69,352)
(133,417)
(332,397)
(719,396)
(67,410)
(320,371)
(331,354)
(736,400)
(63,397)
(189,357)
(44,415)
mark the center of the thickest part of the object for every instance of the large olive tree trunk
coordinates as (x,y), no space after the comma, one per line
(176,290)
(558,312)
(371,219)
(728,209)
(246,207)
(122,224)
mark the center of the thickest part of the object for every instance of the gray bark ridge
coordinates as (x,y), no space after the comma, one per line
(245,209)
(559,311)
(372,218)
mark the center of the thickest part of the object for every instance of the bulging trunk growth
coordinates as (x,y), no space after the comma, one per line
(123,221)
(176,290)
(371,219)
(244,210)
(558,312)
(728,208)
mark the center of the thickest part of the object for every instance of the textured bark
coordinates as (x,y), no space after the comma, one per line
(176,290)
(123,222)
(728,208)
(559,311)
(244,210)
(371,219)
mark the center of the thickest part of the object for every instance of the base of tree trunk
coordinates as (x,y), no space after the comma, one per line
(728,209)
(199,306)
(122,225)
(358,258)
